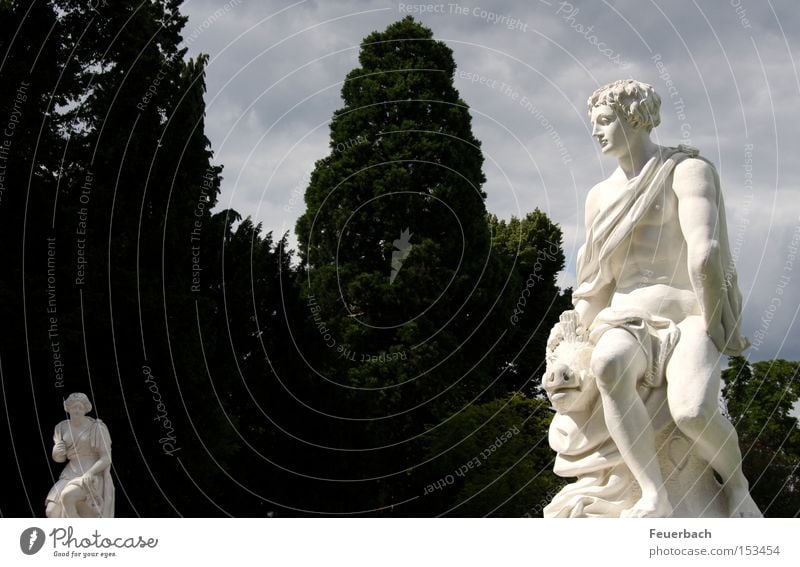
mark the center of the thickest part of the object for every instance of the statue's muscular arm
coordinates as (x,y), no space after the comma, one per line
(694,184)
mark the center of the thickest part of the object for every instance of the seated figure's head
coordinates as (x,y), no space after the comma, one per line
(77,400)
(637,102)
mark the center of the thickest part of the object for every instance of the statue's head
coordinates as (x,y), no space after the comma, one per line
(568,380)
(77,400)
(638,103)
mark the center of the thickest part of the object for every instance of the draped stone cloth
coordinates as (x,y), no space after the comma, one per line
(657,337)
(611,228)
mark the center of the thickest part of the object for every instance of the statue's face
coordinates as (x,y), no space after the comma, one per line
(76,408)
(612,131)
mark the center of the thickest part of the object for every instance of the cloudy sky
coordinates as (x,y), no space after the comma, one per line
(727,72)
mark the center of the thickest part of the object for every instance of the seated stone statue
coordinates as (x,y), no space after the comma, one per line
(85,488)
(657,299)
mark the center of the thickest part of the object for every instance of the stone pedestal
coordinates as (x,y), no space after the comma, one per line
(604,485)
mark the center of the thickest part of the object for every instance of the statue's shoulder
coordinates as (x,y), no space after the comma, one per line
(690,161)
(593,200)
(598,187)
(692,171)
(610,183)
(101,425)
(101,434)
(602,192)
(695,177)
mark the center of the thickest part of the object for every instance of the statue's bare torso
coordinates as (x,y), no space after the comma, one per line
(649,271)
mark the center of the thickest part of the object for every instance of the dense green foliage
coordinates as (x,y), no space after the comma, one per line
(494,460)
(759,399)
(532,246)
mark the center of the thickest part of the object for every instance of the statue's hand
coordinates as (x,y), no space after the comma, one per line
(724,332)
(731,345)
(715,327)
(570,317)
(86,481)
(60,452)
(717,334)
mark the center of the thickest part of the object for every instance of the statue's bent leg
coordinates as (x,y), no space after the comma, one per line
(693,382)
(70,497)
(618,362)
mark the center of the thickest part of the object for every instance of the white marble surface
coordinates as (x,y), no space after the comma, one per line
(655,305)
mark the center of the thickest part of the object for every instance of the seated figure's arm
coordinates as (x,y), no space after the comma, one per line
(103,449)
(588,309)
(102,463)
(694,183)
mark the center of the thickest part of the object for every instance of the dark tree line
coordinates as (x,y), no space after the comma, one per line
(388,367)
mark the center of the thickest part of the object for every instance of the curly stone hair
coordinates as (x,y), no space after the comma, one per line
(637,102)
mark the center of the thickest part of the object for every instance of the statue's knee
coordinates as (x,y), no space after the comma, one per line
(606,369)
(692,421)
(71,495)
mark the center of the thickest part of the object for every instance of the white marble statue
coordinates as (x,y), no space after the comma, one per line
(85,488)
(656,303)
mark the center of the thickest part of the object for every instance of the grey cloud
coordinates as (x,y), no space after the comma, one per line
(731,77)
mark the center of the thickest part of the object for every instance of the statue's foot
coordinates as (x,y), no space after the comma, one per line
(649,506)
(742,505)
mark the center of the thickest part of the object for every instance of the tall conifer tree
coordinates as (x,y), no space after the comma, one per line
(401,278)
